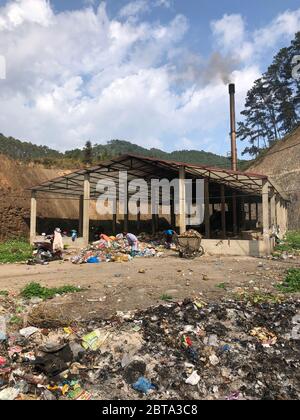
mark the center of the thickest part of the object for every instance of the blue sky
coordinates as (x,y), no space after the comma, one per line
(152,72)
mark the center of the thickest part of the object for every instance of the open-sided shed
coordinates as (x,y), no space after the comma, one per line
(239,194)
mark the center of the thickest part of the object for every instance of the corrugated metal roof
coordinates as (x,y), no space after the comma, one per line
(149,168)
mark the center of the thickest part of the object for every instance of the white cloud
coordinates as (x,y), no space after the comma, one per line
(134,8)
(85,76)
(2,68)
(90,2)
(283,26)
(78,75)
(231,34)
(164,3)
(17,12)
(229,31)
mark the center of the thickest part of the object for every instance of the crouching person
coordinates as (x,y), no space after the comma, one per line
(133,242)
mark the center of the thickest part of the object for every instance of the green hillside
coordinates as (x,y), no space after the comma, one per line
(119,147)
(22,150)
(26,151)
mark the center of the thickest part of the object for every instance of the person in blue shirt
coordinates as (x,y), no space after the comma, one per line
(169,236)
(74,235)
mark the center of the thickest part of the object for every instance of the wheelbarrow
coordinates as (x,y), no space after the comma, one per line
(190,247)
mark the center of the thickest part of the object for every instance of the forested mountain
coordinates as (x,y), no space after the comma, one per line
(21,150)
(92,154)
(117,147)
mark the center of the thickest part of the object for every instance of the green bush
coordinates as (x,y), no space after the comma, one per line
(291,243)
(15,250)
(36,290)
(292,282)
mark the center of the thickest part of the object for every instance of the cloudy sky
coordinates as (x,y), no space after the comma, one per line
(153,72)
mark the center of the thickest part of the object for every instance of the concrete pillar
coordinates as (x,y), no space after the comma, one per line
(182,203)
(273,209)
(206,208)
(126,220)
(223,210)
(126,212)
(234,213)
(153,224)
(80,225)
(279,219)
(284,217)
(33,217)
(250,211)
(173,215)
(86,209)
(154,211)
(138,218)
(265,215)
(157,222)
(114,224)
(243,214)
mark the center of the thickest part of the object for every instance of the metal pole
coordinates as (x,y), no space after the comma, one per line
(233,127)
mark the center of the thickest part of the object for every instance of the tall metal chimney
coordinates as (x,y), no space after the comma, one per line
(233,127)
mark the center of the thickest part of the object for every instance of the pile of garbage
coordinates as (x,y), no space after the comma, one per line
(117,249)
(228,350)
(191,234)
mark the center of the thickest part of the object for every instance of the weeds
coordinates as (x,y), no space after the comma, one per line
(259,297)
(166,298)
(222,286)
(291,243)
(17,250)
(36,290)
(292,282)
(15,320)
(4,293)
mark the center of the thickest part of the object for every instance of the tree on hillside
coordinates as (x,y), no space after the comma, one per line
(88,153)
(272,104)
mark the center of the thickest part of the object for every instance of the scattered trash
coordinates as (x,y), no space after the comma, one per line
(266,337)
(186,341)
(29,331)
(134,370)
(214,360)
(9,394)
(193,379)
(232,349)
(93,260)
(2,328)
(3,361)
(14,350)
(143,385)
(94,340)
(79,395)
(118,249)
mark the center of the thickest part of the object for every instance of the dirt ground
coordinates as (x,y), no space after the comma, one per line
(111,287)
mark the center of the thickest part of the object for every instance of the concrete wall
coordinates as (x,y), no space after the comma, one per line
(79,243)
(236,247)
(281,164)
